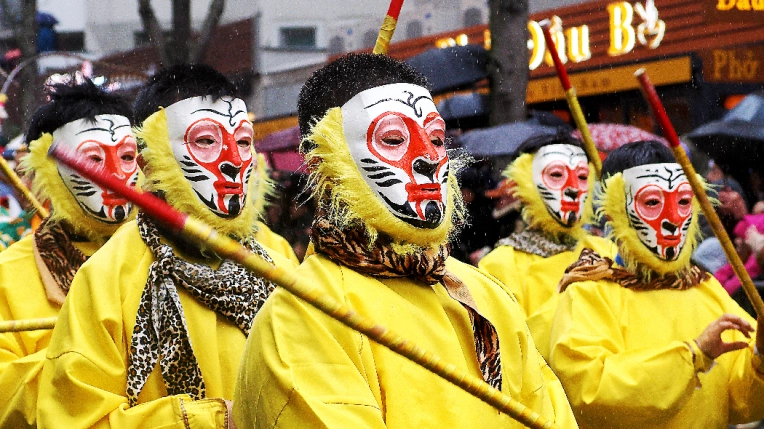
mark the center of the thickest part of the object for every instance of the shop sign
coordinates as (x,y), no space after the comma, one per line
(734,10)
(612,80)
(739,64)
(631,26)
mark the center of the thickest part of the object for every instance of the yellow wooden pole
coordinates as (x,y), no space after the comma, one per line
(23,190)
(27,324)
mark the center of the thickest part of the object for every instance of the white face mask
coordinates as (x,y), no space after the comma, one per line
(212,142)
(108,142)
(659,206)
(561,176)
(397,139)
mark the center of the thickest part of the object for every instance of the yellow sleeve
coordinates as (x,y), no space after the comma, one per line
(603,378)
(18,384)
(285,385)
(84,376)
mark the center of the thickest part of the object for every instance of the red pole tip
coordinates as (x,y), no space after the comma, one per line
(395,9)
(151,205)
(545,24)
(651,95)
(558,65)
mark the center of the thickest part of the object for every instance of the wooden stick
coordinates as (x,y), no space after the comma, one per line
(388,27)
(651,95)
(573,105)
(226,247)
(27,324)
(23,190)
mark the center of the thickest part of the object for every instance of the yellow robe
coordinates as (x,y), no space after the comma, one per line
(533,280)
(623,359)
(303,369)
(84,377)
(22,354)
(275,242)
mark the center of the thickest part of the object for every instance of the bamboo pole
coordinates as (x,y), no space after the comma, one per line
(228,248)
(572,98)
(27,324)
(648,90)
(388,27)
(23,190)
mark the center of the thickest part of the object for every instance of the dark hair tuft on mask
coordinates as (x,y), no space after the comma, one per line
(635,154)
(70,102)
(339,81)
(178,83)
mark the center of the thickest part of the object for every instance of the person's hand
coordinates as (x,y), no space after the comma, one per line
(710,341)
(754,239)
(732,203)
(229,405)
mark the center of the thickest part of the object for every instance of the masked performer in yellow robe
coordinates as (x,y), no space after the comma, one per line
(551,178)
(388,200)
(651,340)
(154,330)
(36,272)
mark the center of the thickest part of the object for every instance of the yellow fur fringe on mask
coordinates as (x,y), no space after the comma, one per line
(535,212)
(163,173)
(265,187)
(48,185)
(636,256)
(349,200)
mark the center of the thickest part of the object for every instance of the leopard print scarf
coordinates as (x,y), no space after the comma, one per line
(592,266)
(59,257)
(537,243)
(351,248)
(160,326)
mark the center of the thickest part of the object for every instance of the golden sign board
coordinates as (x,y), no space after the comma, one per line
(737,64)
(611,80)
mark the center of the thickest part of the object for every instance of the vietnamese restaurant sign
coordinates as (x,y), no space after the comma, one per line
(629,25)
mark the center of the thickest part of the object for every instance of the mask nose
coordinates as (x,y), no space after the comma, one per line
(571,193)
(668,226)
(425,168)
(230,171)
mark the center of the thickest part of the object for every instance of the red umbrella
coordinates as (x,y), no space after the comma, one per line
(608,137)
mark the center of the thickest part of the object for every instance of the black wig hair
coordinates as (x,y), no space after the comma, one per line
(535,143)
(178,83)
(70,102)
(339,81)
(634,154)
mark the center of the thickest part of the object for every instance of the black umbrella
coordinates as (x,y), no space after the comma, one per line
(464,106)
(738,138)
(502,139)
(450,68)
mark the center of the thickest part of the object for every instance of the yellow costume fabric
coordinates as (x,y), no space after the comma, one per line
(303,369)
(22,354)
(275,242)
(533,278)
(84,377)
(624,360)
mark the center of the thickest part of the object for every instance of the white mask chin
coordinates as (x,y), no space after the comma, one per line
(659,206)
(561,176)
(108,142)
(212,142)
(397,139)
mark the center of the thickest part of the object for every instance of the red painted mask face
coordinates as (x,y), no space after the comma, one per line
(561,175)
(397,139)
(109,143)
(212,142)
(659,206)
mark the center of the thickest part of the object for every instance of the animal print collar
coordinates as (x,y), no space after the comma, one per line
(537,243)
(351,248)
(160,330)
(593,267)
(57,259)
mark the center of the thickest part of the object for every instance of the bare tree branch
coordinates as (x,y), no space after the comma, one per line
(153,30)
(208,28)
(181,31)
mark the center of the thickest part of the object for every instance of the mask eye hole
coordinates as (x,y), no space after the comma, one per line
(649,202)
